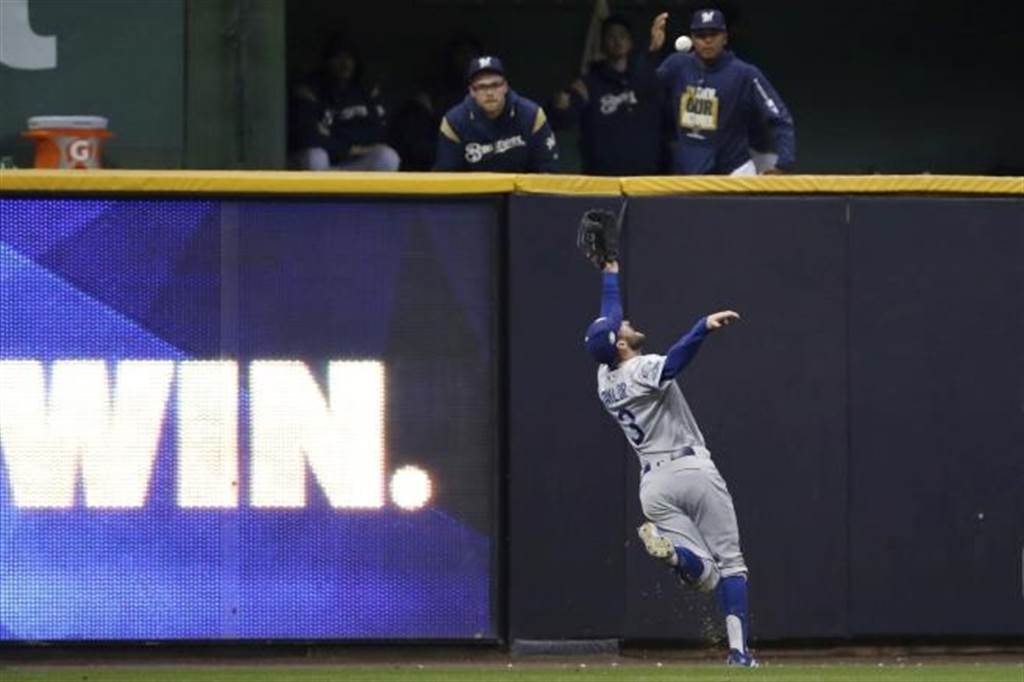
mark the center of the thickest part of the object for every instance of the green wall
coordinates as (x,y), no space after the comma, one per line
(184,83)
(235,107)
(119,59)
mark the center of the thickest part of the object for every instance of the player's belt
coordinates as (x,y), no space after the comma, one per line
(662,460)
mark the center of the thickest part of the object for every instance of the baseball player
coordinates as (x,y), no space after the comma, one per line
(691,522)
(494,128)
(718,98)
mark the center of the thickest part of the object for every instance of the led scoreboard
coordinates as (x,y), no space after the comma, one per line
(226,419)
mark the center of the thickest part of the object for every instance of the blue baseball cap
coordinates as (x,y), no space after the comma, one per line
(707,20)
(600,339)
(484,64)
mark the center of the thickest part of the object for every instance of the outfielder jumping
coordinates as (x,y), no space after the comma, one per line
(691,521)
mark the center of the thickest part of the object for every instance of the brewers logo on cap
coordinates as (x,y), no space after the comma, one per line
(707,20)
(485,64)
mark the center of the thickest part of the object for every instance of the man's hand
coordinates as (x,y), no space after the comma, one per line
(612,266)
(721,319)
(658,32)
(561,100)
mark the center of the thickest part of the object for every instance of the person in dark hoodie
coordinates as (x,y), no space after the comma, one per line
(335,121)
(717,100)
(494,128)
(618,106)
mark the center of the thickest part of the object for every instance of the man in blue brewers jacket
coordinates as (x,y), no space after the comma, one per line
(717,99)
(618,106)
(494,128)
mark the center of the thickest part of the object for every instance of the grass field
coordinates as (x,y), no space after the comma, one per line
(647,672)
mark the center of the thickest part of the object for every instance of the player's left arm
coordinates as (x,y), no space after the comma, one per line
(776,116)
(611,299)
(542,145)
(450,155)
(685,349)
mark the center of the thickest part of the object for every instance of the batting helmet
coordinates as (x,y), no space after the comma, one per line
(600,340)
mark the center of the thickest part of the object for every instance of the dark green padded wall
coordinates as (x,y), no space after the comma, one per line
(122,60)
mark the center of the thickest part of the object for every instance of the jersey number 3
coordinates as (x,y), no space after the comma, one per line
(628,422)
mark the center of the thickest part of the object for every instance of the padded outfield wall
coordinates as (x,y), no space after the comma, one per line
(868,412)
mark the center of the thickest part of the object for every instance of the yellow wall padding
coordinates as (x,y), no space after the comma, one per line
(254,182)
(296,182)
(568,184)
(823,184)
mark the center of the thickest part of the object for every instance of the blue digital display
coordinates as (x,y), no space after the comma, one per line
(247,419)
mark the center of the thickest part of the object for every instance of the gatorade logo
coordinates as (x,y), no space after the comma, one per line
(80,151)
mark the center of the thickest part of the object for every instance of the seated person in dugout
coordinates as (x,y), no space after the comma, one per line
(335,122)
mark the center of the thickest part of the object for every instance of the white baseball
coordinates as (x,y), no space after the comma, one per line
(683,44)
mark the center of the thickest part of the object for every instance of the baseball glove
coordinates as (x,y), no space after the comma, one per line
(597,237)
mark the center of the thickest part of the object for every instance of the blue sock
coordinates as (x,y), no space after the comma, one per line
(691,566)
(732,596)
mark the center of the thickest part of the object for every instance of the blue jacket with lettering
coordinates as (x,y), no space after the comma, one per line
(322,115)
(715,108)
(520,140)
(621,118)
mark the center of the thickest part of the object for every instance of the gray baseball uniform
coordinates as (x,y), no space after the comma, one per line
(681,490)
(691,520)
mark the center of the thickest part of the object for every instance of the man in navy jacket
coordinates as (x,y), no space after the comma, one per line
(618,106)
(494,128)
(335,120)
(717,98)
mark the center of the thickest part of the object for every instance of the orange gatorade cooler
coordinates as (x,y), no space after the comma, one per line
(67,141)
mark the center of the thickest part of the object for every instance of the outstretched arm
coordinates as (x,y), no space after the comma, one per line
(684,350)
(611,300)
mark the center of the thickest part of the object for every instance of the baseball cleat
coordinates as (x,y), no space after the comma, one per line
(741,660)
(658,546)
